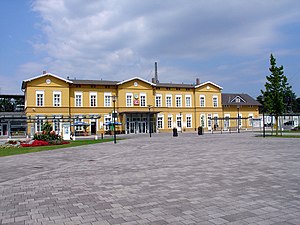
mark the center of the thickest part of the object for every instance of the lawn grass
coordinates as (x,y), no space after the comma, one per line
(23,150)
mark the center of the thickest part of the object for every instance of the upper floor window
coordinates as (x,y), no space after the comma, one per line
(56,98)
(39,98)
(143,102)
(107,99)
(93,99)
(178,99)
(215,101)
(188,101)
(158,100)
(78,99)
(129,100)
(202,101)
(168,100)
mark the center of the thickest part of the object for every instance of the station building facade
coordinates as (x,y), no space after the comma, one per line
(140,106)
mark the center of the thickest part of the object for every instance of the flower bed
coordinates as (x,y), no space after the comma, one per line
(43,143)
(35,143)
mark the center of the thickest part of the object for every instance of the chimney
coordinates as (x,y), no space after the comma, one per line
(156,75)
(153,80)
(197,81)
(44,71)
(68,78)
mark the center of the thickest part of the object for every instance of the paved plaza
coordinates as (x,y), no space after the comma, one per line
(190,179)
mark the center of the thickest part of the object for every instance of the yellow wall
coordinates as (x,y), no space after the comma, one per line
(68,107)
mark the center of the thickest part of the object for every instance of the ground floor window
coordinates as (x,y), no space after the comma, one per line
(202,120)
(209,121)
(178,121)
(188,121)
(160,120)
(78,128)
(170,121)
(39,125)
(107,119)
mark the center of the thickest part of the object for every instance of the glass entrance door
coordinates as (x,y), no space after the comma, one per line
(131,127)
(142,127)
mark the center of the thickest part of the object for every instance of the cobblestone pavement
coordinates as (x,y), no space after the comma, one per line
(210,179)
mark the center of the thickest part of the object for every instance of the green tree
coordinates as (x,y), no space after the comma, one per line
(6,105)
(277,90)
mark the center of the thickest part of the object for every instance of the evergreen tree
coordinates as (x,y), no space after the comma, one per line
(277,90)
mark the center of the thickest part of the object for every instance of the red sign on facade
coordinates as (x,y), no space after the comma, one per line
(136,102)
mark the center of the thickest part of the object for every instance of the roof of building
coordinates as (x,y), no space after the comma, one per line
(42,75)
(137,78)
(94,82)
(208,82)
(115,83)
(175,85)
(238,99)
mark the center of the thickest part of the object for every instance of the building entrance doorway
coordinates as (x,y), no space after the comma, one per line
(137,123)
(93,128)
(3,129)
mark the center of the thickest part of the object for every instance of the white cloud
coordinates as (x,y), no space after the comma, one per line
(119,39)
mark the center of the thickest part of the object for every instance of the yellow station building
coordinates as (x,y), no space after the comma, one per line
(139,105)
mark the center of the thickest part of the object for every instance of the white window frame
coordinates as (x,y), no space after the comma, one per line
(143,95)
(56,124)
(78,93)
(250,120)
(216,119)
(227,121)
(178,97)
(189,125)
(170,125)
(93,94)
(200,100)
(129,104)
(190,101)
(43,98)
(78,119)
(179,118)
(39,123)
(107,99)
(209,121)
(202,120)
(158,100)
(160,118)
(215,103)
(107,118)
(240,115)
(59,100)
(168,104)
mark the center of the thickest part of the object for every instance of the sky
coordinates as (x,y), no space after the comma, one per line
(226,42)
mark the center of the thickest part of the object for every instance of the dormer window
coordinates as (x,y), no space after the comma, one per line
(237,99)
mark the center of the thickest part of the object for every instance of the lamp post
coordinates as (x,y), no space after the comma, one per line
(238,119)
(263,115)
(149,122)
(114,98)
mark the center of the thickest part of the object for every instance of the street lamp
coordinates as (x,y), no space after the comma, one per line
(149,122)
(114,98)
(238,119)
(263,114)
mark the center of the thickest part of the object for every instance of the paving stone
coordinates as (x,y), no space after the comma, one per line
(209,179)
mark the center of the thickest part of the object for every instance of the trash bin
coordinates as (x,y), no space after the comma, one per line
(200,131)
(175,133)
